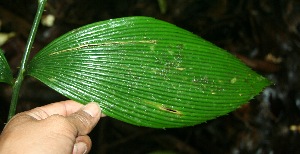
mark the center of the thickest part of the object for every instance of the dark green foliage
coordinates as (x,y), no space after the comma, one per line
(146,72)
(5,72)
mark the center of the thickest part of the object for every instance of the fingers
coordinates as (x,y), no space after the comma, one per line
(85,119)
(83,144)
(63,108)
(63,123)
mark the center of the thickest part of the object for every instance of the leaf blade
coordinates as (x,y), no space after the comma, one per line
(146,72)
(5,72)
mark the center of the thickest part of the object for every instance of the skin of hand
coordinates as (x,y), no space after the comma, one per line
(60,128)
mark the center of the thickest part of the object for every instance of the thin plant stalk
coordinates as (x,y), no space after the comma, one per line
(20,77)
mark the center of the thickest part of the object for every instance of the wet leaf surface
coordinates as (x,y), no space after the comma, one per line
(249,29)
(146,72)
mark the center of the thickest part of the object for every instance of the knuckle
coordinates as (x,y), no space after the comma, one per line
(82,122)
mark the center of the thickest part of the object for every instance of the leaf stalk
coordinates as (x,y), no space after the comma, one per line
(20,77)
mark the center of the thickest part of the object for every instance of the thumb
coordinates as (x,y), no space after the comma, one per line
(85,119)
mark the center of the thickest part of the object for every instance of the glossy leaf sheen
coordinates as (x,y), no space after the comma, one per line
(5,72)
(146,72)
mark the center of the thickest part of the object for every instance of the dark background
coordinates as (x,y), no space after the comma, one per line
(262,33)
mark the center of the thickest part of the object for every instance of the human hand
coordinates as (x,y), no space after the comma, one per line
(60,128)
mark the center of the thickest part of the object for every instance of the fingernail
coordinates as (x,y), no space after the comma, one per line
(92,109)
(80,148)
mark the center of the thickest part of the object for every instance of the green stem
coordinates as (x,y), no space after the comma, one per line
(20,77)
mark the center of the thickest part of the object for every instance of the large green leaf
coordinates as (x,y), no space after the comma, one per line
(5,72)
(146,72)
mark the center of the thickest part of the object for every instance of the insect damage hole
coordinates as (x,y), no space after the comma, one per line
(170,110)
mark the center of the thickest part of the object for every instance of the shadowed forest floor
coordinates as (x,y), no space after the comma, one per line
(265,34)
